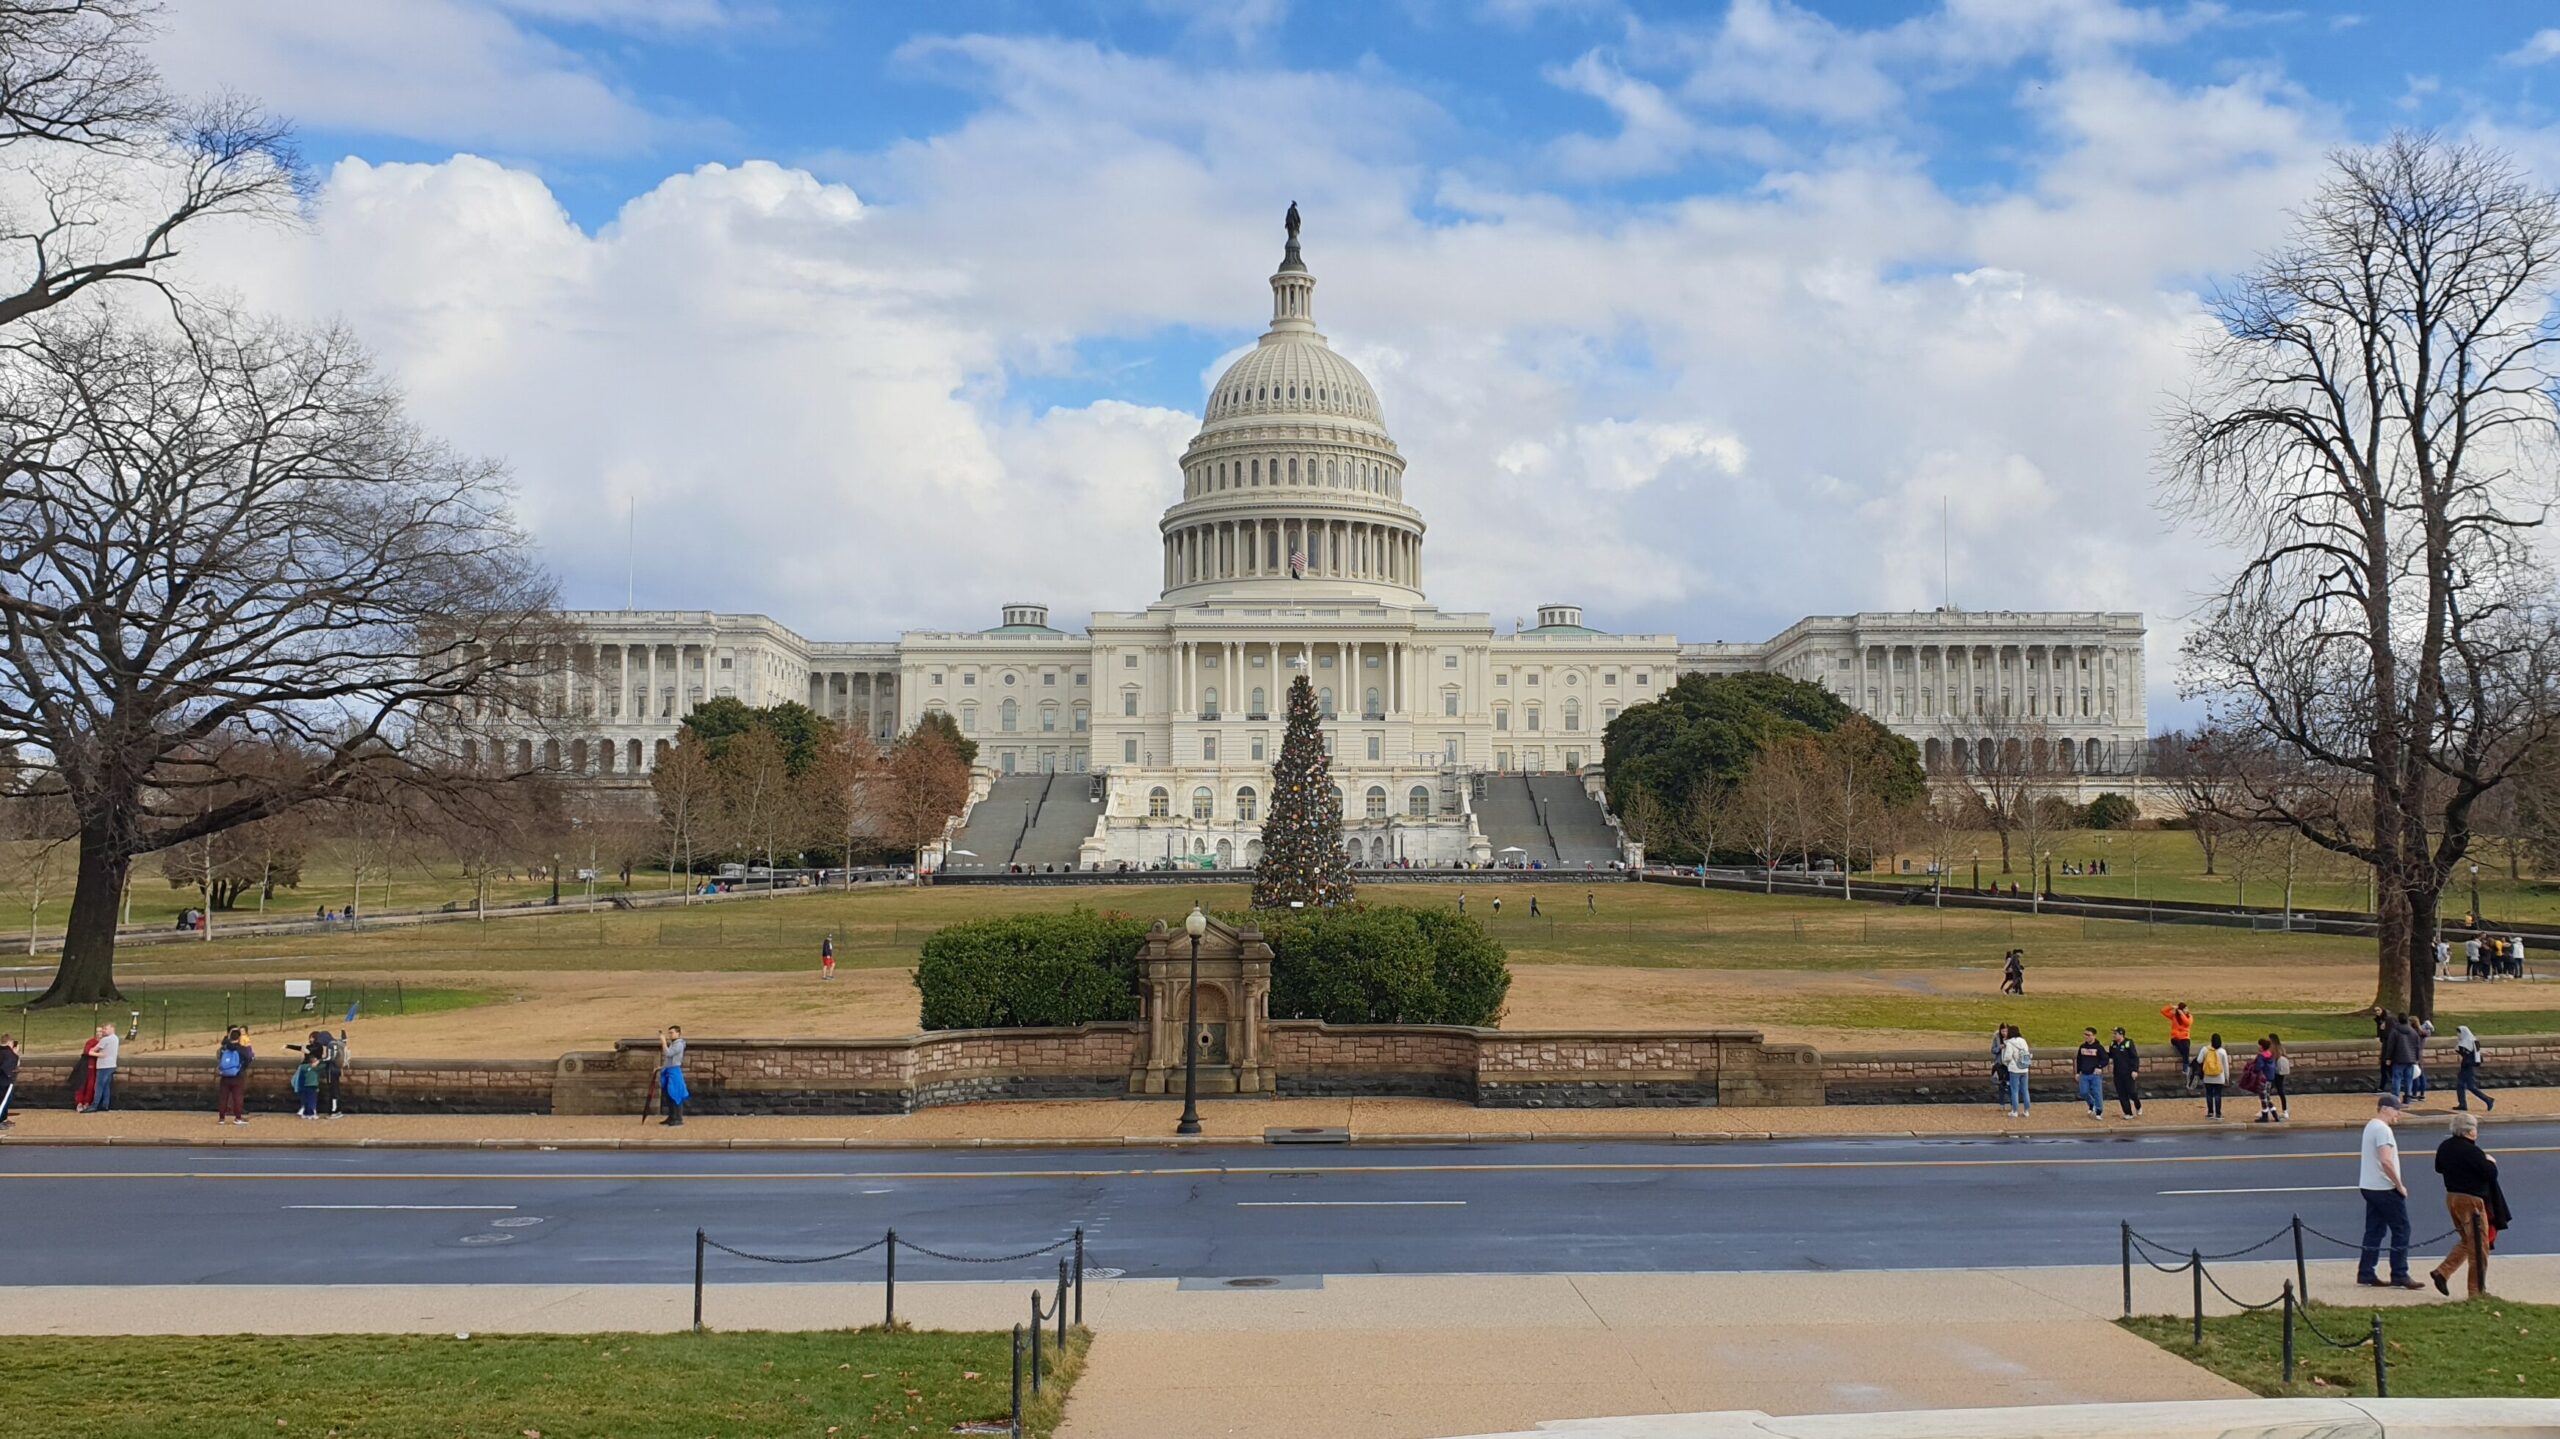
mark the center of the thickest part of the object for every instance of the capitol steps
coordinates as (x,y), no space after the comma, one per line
(1576,824)
(1061,821)
(1507,813)
(997,823)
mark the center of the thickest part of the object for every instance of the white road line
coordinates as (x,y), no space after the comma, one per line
(1351,1204)
(439,1207)
(2285,1189)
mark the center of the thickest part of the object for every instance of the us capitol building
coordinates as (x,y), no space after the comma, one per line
(1294,549)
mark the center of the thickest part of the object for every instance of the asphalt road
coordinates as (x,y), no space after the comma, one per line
(161,1216)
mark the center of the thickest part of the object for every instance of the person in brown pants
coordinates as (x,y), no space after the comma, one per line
(2470,1187)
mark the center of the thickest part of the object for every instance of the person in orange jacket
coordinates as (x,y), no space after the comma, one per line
(2182,1028)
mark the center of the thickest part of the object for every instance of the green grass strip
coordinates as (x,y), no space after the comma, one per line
(2482,1348)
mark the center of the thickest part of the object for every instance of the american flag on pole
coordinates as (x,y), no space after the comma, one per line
(1298,563)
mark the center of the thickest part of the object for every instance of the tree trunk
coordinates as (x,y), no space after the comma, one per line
(2418,949)
(2392,938)
(87,974)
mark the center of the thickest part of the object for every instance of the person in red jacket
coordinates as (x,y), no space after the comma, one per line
(2182,1028)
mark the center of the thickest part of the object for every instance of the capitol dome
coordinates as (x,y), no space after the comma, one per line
(1292,488)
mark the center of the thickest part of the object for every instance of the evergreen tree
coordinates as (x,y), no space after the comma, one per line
(1302,835)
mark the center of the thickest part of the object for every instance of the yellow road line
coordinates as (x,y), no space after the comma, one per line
(1211,1172)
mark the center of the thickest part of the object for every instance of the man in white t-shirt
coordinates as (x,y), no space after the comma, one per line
(108,1046)
(2386,1198)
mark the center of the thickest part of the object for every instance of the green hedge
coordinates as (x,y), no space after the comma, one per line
(1031,969)
(1387,965)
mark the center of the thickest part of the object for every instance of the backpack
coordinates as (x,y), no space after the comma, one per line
(227,1063)
(2212,1064)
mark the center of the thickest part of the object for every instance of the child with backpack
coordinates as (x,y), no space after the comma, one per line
(2213,1066)
(231,1073)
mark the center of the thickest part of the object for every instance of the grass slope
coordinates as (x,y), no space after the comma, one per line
(858,1385)
(2485,1348)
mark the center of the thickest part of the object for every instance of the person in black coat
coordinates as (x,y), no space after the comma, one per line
(2474,1200)
(8,1076)
(2126,1061)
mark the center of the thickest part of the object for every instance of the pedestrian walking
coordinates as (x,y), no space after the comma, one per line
(827,958)
(231,1077)
(2126,1063)
(671,1073)
(2089,1068)
(2471,966)
(2473,1199)
(333,1069)
(2016,1057)
(2000,1064)
(2418,1068)
(2466,1081)
(2214,1068)
(1533,906)
(8,1077)
(2182,1028)
(2444,958)
(1497,906)
(2400,1051)
(2260,1079)
(1591,901)
(109,1044)
(2386,1198)
(2013,973)
(1462,901)
(306,1087)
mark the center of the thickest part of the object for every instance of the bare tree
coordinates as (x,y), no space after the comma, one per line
(112,168)
(688,793)
(763,808)
(37,850)
(2202,773)
(2373,431)
(841,806)
(923,786)
(1711,816)
(1767,806)
(2011,769)
(233,537)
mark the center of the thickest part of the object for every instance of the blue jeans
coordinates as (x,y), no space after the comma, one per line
(2404,1080)
(105,1090)
(2385,1209)
(2093,1092)
(2018,1092)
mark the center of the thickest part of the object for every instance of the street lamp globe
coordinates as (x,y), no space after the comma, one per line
(1195,924)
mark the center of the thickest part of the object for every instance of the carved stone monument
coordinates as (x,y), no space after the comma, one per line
(1235,1005)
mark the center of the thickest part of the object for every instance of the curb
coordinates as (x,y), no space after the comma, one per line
(784,1144)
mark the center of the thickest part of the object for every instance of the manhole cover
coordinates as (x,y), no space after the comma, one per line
(1094,1273)
(488,1239)
(1251,1283)
(525,1222)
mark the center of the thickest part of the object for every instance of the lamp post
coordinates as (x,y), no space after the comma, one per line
(2475,894)
(1977,871)
(1194,924)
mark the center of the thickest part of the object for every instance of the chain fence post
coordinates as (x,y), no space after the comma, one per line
(2288,1336)
(1079,1274)
(2381,1368)
(1061,1306)
(2301,1269)
(1017,1382)
(2125,1243)
(2195,1265)
(697,1281)
(1035,1343)
(889,1318)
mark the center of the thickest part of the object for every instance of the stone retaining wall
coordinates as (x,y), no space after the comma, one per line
(390,1086)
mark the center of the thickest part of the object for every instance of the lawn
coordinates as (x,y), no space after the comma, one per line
(2168,865)
(857,1385)
(2483,1348)
(195,1016)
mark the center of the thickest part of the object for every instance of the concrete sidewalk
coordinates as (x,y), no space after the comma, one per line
(1118,1122)
(1383,1357)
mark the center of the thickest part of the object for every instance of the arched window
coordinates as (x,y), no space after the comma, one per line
(1534,718)
(1369,704)
(1008,716)
(1083,719)
(1324,702)
(1159,803)
(1573,714)
(1502,717)
(1209,700)
(1417,802)
(1248,804)
(1203,803)
(2089,756)
(1257,708)
(631,754)
(1048,719)
(1375,802)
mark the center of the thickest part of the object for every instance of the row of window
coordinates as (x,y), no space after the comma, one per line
(1009,718)
(1048,678)
(1248,803)
(1608,679)
(1363,475)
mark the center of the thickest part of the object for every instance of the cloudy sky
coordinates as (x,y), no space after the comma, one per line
(1700,315)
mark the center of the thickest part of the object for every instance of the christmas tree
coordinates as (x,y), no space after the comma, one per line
(1302,859)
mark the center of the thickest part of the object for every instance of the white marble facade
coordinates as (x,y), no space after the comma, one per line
(1292,549)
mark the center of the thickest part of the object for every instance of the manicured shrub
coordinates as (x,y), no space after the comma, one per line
(2112,811)
(1387,965)
(1031,969)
